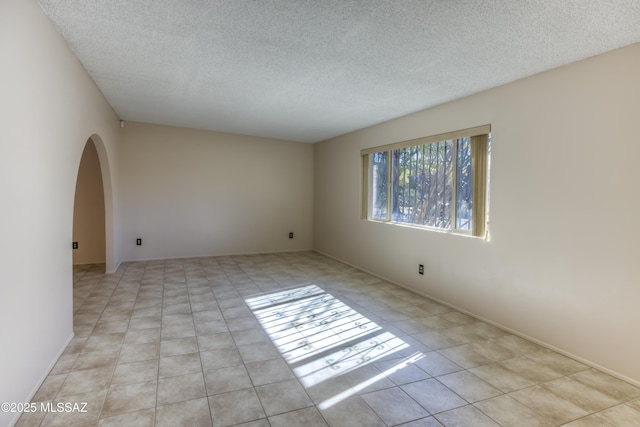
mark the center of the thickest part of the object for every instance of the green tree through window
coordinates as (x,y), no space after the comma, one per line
(429,184)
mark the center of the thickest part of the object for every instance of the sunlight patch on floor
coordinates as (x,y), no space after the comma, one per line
(323,338)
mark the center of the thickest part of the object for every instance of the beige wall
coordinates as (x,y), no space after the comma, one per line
(561,266)
(88,211)
(49,108)
(190,193)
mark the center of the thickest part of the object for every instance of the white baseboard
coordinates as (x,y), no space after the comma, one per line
(89,262)
(35,389)
(219,255)
(113,270)
(497,325)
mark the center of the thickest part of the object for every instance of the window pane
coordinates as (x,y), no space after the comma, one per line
(464,185)
(422,184)
(379,169)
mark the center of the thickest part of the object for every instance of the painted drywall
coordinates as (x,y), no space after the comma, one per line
(88,211)
(561,265)
(48,109)
(191,193)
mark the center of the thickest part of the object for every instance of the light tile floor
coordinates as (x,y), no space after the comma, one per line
(298,339)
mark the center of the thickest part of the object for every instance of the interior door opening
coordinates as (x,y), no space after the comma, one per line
(89,242)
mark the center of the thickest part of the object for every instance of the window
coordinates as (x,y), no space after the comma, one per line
(438,182)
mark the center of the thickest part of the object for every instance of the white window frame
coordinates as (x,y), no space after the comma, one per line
(479,163)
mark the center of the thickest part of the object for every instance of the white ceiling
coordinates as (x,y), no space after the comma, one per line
(307,70)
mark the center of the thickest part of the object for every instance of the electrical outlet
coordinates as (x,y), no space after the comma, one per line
(139,242)
(75,245)
(291,235)
(421,269)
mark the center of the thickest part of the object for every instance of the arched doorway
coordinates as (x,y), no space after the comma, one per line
(89,234)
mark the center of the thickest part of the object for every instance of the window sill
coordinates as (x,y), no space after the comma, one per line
(461,233)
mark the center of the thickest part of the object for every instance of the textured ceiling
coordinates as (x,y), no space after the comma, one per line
(307,70)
